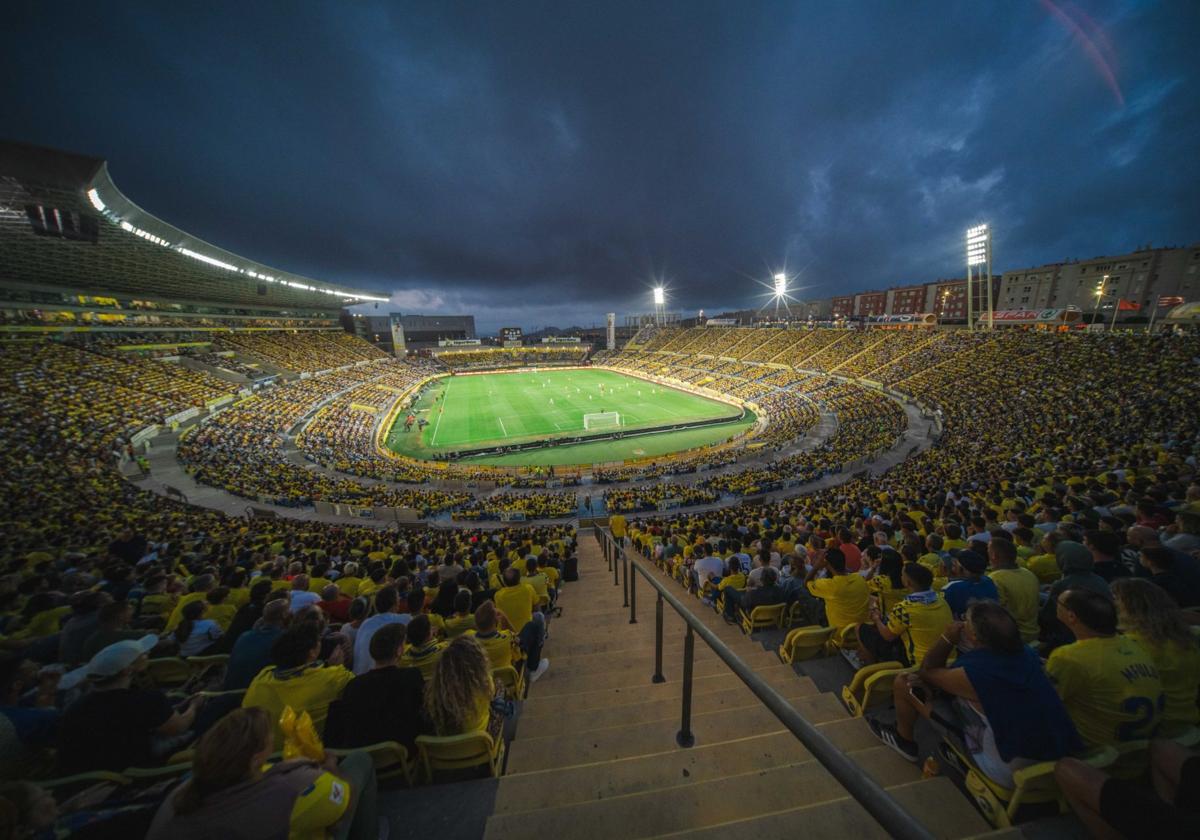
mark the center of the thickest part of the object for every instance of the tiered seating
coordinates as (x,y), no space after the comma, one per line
(643,497)
(303,350)
(485,358)
(530,505)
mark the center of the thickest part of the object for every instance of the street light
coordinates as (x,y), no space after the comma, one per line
(1099,295)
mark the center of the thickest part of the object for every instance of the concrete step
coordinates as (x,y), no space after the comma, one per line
(571,721)
(563,681)
(780,676)
(599,663)
(618,742)
(662,811)
(596,782)
(936,802)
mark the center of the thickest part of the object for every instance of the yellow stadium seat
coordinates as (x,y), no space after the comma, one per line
(168,671)
(762,618)
(805,643)
(390,758)
(872,685)
(1032,785)
(456,752)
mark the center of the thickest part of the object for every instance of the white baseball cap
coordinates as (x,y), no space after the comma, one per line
(111,660)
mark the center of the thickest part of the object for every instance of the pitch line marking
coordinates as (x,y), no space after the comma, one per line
(502,429)
(433,442)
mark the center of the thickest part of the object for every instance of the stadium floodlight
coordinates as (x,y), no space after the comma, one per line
(979,253)
(660,296)
(977,245)
(780,285)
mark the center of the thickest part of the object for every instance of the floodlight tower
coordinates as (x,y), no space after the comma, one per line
(979,253)
(660,305)
(781,288)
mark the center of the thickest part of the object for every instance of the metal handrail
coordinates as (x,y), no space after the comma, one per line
(874,799)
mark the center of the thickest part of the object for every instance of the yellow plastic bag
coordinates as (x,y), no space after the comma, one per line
(300,739)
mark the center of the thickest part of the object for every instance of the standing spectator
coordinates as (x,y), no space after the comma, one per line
(845,596)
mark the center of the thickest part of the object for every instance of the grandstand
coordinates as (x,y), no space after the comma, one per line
(193,448)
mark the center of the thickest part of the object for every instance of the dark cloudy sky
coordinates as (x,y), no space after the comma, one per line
(540,163)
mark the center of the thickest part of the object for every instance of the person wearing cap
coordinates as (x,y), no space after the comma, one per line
(115,725)
(970,583)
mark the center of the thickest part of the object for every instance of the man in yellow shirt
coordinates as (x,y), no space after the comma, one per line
(616,523)
(1018,587)
(298,679)
(846,598)
(516,600)
(1110,686)
(500,644)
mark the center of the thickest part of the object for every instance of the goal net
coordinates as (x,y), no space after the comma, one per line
(602,420)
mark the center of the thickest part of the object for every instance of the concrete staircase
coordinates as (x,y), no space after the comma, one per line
(595,753)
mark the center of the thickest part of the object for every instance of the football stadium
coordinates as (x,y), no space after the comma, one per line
(293,556)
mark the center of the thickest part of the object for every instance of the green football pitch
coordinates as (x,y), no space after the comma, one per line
(499,409)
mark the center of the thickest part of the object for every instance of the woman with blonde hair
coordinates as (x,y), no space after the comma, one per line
(1149,616)
(231,795)
(460,692)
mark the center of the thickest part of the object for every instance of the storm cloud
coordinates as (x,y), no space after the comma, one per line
(544,163)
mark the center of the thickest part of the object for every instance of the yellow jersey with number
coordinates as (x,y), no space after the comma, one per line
(1110,687)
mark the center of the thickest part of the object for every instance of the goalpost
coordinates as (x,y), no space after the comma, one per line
(601,420)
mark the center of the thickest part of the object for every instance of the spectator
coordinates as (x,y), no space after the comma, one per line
(252,652)
(334,604)
(1105,547)
(1004,713)
(1117,808)
(115,725)
(1109,685)
(1018,587)
(516,600)
(246,617)
(230,795)
(301,597)
(1160,562)
(495,634)
(761,596)
(424,649)
(912,626)
(387,606)
(459,696)
(971,584)
(33,721)
(1149,617)
(84,621)
(112,625)
(1075,562)
(463,618)
(196,633)
(298,679)
(384,704)
(845,596)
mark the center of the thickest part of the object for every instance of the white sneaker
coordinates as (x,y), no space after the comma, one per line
(542,668)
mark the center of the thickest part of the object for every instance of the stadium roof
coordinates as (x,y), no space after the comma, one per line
(65,225)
